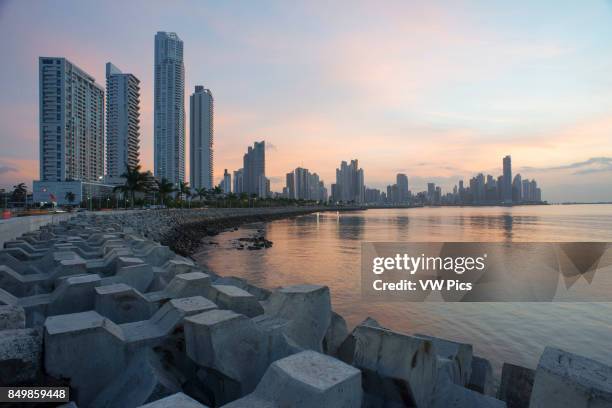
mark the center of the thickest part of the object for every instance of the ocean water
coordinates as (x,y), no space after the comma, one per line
(325,249)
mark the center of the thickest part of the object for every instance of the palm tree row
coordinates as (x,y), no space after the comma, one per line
(137,181)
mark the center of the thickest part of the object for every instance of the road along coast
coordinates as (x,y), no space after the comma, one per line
(99,304)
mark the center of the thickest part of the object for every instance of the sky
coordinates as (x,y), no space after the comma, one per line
(437,90)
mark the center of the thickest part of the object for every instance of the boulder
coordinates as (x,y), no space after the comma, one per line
(564,380)
(306,380)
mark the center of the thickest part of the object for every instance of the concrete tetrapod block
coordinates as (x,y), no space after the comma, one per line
(565,380)
(398,370)
(230,344)
(167,319)
(144,379)
(73,294)
(451,395)
(86,349)
(459,353)
(188,284)
(20,356)
(308,309)
(122,303)
(516,385)
(12,317)
(306,380)
(481,379)
(336,333)
(236,299)
(178,400)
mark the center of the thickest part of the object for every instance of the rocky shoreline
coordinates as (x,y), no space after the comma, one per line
(97,304)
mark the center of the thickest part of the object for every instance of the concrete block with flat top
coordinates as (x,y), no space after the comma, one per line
(564,380)
(306,380)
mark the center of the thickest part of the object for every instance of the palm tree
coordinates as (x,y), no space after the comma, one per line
(164,188)
(201,193)
(70,197)
(135,180)
(20,193)
(184,189)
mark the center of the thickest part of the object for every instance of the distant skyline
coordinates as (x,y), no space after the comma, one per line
(438,91)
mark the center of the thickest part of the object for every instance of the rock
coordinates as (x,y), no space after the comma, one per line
(481,379)
(12,317)
(306,380)
(178,400)
(308,309)
(398,370)
(516,385)
(564,380)
(20,356)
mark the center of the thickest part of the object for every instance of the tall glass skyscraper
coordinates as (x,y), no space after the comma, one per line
(201,138)
(122,122)
(507,180)
(169,108)
(254,169)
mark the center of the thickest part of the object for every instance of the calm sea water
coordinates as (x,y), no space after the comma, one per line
(325,249)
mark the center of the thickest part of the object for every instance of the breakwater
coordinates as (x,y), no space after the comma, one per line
(98,304)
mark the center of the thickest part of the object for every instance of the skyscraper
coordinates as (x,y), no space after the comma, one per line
(517,189)
(201,138)
(349,185)
(290,185)
(238,181)
(169,108)
(254,168)
(506,187)
(71,106)
(402,187)
(301,184)
(122,122)
(227,182)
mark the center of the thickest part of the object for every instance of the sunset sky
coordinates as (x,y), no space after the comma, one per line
(437,90)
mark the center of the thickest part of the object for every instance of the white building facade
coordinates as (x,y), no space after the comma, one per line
(169,108)
(71,122)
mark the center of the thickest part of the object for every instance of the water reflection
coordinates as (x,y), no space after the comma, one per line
(325,249)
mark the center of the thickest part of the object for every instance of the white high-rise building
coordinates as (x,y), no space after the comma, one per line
(71,107)
(201,138)
(227,182)
(169,108)
(122,122)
